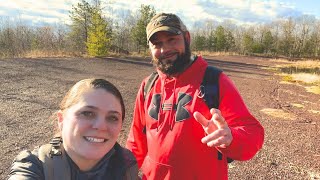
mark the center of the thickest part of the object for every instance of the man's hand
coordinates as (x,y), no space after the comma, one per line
(217,129)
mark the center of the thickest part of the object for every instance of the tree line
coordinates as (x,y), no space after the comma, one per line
(292,37)
(92,33)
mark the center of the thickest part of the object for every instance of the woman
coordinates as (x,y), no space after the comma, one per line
(89,122)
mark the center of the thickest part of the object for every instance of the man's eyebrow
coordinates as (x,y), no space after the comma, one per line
(154,38)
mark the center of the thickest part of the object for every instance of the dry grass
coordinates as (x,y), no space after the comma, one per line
(297,105)
(313,89)
(41,54)
(208,53)
(306,78)
(300,63)
(314,175)
(278,113)
(314,111)
(307,64)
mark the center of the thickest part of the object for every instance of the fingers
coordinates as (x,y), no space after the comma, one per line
(217,130)
(218,119)
(216,122)
(208,125)
(201,119)
(217,143)
(220,138)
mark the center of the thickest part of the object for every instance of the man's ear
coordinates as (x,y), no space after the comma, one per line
(187,37)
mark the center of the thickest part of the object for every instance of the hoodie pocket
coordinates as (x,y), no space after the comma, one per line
(155,170)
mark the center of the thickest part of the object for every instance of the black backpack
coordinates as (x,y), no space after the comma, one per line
(56,166)
(209,89)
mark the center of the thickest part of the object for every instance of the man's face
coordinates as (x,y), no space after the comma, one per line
(170,52)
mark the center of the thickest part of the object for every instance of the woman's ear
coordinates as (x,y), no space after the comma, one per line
(60,119)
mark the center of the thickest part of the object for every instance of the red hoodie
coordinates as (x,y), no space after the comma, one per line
(170,147)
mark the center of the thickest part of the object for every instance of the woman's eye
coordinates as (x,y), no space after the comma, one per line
(87,114)
(113,118)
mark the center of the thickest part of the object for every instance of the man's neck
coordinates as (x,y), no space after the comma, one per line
(192,59)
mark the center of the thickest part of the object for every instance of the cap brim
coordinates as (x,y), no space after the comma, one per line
(164,28)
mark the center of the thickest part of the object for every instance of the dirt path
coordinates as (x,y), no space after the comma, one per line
(32,88)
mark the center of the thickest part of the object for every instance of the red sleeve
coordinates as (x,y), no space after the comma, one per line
(137,142)
(247,132)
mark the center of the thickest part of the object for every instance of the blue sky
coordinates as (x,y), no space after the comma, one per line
(191,11)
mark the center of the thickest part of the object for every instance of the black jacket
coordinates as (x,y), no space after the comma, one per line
(118,164)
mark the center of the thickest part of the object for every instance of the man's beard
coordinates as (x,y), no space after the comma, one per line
(172,67)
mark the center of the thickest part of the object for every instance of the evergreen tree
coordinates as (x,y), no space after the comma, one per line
(247,42)
(199,42)
(230,41)
(267,42)
(139,34)
(98,36)
(211,41)
(80,16)
(221,40)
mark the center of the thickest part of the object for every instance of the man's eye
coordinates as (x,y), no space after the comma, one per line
(172,40)
(156,44)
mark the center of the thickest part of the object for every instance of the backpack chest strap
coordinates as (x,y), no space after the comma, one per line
(54,160)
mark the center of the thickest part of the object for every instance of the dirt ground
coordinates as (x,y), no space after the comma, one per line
(31,90)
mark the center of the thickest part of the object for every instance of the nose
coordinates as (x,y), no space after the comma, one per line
(165,47)
(100,124)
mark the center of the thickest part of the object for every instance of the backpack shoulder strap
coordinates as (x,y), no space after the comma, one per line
(150,83)
(54,160)
(146,89)
(43,155)
(210,85)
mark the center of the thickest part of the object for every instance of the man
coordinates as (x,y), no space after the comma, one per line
(174,135)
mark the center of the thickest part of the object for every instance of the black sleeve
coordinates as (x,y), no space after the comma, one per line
(26,166)
(130,164)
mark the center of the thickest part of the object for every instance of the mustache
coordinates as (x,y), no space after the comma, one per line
(168,54)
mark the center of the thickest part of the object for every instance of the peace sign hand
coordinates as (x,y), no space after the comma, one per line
(217,129)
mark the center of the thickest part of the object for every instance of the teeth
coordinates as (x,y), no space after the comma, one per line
(97,140)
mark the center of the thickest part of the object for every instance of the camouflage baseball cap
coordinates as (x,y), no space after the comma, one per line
(165,22)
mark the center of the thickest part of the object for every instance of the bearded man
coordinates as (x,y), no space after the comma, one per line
(174,133)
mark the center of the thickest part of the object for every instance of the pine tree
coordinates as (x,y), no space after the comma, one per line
(220,39)
(98,36)
(80,16)
(139,34)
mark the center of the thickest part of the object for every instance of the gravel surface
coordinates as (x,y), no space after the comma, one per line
(31,90)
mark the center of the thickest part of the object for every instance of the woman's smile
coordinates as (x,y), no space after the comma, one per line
(94,139)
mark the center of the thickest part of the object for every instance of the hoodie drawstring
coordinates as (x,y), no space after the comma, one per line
(172,116)
(161,103)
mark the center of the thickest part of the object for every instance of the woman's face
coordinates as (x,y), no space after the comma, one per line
(90,128)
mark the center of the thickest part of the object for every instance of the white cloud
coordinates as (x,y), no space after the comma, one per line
(46,11)
(190,11)
(2,13)
(38,19)
(237,4)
